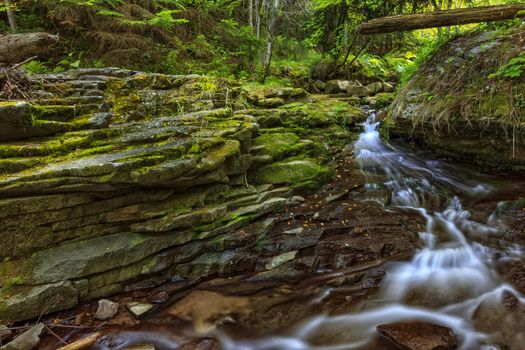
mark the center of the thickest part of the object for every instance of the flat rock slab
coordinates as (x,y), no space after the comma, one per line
(139,309)
(27,340)
(418,336)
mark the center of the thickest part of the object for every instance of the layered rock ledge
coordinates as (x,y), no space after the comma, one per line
(113,180)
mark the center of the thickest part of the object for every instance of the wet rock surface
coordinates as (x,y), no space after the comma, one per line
(418,336)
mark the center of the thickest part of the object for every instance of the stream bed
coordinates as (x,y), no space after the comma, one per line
(425,242)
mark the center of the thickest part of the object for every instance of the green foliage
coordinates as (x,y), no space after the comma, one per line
(425,53)
(36,67)
(512,69)
(111,13)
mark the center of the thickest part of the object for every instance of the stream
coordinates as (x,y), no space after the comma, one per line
(450,277)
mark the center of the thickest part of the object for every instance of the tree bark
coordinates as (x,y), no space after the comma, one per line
(11,16)
(15,48)
(440,19)
(271,20)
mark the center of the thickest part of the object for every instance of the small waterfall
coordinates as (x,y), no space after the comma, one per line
(444,283)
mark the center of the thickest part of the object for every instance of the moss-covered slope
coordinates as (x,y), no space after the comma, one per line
(468,100)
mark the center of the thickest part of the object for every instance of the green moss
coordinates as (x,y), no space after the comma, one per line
(94,151)
(277,144)
(387,123)
(13,273)
(293,171)
(8,103)
(53,112)
(13,165)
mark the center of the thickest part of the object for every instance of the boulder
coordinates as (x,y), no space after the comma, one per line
(106,310)
(471,117)
(285,93)
(418,336)
(357,90)
(380,100)
(336,86)
(375,87)
(389,87)
(320,85)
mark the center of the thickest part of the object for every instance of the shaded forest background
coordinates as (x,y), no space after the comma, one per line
(284,42)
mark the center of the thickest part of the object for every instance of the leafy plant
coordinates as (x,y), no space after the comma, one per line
(36,67)
(512,69)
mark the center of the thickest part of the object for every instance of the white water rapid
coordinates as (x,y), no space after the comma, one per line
(448,278)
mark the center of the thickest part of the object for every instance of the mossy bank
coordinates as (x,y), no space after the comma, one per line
(467,101)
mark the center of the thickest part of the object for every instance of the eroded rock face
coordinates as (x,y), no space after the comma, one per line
(464,103)
(115,180)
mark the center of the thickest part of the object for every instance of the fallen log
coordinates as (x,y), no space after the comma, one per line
(15,48)
(436,19)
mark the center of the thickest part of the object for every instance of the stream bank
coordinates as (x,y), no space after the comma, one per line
(467,102)
(114,181)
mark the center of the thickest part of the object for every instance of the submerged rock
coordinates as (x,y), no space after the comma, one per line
(418,336)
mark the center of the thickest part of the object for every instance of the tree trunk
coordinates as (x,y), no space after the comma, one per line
(250,14)
(262,12)
(440,19)
(270,29)
(10,16)
(252,28)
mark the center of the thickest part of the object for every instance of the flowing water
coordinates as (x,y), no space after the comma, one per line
(451,280)
(450,277)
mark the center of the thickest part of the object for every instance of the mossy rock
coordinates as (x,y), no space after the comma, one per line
(293,171)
